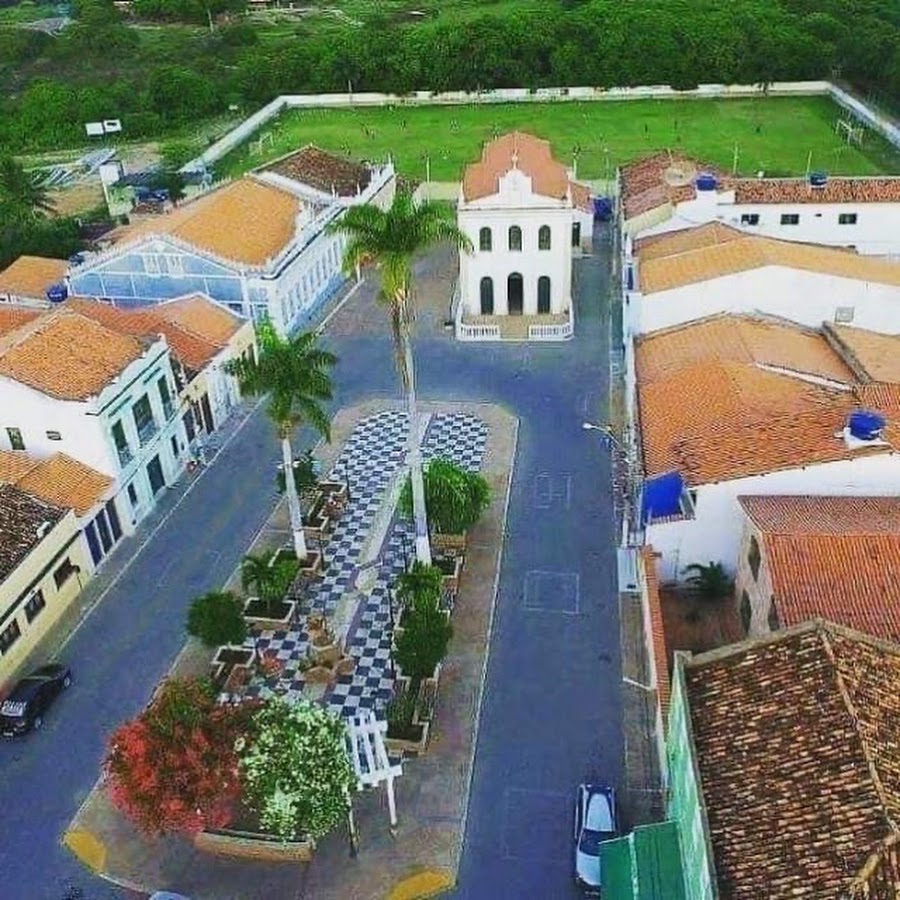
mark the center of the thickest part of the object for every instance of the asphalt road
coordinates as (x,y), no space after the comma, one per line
(551,714)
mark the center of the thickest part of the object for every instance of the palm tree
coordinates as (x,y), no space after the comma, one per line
(23,195)
(270,578)
(711,582)
(392,238)
(294,372)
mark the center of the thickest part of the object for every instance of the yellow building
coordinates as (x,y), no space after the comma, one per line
(43,565)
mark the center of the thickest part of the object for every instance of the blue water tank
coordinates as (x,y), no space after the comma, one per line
(706,181)
(818,179)
(56,293)
(603,209)
(866,425)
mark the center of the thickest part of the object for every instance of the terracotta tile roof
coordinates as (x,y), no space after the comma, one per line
(192,350)
(67,355)
(833,558)
(751,420)
(324,171)
(246,221)
(798,190)
(15,464)
(30,276)
(13,317)
(719,251)
(658,641)
(526,152)
(659,179)
(670,243)
(66,482)
(21,515)
(202,316)
(797,743)
(581,196)
(871,355)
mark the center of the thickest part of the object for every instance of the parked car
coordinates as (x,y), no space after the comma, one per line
(24,709)
(595,822)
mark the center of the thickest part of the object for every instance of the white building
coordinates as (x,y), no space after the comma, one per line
(261,245)
(525,218)
(680,276)
(69,384)
(665,192)
(731,406)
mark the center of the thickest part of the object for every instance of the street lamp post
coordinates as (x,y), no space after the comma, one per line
(609,439)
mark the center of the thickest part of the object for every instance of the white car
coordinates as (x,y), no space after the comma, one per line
(595,822)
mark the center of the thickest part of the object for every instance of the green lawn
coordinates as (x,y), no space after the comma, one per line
(776,135)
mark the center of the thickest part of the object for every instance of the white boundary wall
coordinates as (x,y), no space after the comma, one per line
(253,123)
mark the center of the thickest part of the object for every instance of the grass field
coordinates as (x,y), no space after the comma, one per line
(781,136)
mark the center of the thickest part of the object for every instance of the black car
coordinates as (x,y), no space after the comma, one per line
(24,709)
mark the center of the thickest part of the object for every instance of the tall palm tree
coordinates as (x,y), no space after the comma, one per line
(23,195)
(294,372)
(392,238)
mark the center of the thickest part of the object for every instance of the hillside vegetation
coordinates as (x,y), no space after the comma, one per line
(164,68)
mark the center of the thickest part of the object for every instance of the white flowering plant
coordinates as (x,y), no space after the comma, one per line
(296,771)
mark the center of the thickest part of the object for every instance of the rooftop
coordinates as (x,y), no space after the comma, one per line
(67,355)
(657,631)
(246,221)
(60,480)
(30,276)
(797,742)
(13,317)
(658,179)
(872,355)
(324,171)
(799,190)
(715,250)
(21,515)
(199,314)
(532,156)
(833,558)
(775,396)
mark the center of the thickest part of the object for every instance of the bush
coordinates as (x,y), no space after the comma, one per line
(216,618)
(420,587)
(423,644)
(454,497)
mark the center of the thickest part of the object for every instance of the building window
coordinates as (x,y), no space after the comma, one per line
(515,237)
(487,296)
(132,496)
(53,436)
(143,419)
(166,398)
(544,237)
(790,219)
(750,219)
(15,438)
(576,234)
(543,295)
(753,557)
(485,240)
(123,451)
(9,636)
(34,605)
(746,612)
(847,219)
(64,572)
(774,624)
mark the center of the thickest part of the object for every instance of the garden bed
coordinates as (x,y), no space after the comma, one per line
(252,845)
(451,568)
(270,617)
(411,713)
(231,667)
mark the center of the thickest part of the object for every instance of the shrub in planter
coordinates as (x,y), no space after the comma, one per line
(454,497)
(400,710)
(420,586)
(270,579)
(216,618)
(423,643)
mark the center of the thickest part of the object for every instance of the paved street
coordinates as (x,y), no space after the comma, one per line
(551,713)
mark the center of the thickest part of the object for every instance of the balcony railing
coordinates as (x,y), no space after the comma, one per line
(125,455)
(146,431)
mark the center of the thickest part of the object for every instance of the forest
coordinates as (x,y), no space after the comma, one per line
(171,64)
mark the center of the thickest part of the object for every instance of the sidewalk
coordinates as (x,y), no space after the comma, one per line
(432,794)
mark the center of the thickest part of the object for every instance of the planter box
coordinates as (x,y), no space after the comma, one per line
(420,724)
(335,490)
(451,567)
(255,614)
(312,565)
(319,675)
(248,845)
(409,745)
(450,543)
(233,663)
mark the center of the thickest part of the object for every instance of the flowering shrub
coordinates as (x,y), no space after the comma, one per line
(270,666)
(174,767)
(296,770)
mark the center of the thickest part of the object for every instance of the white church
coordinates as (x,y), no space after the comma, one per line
(526,219)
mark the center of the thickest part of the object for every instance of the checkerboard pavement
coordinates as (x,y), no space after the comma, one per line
(368,462)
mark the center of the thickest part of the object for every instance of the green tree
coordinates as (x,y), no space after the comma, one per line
(217,618)
(296,771)
(420,586)
(295,373)
(711,582)
(392,239)
(423,644)
(23,195)
(270,579)
(454,497)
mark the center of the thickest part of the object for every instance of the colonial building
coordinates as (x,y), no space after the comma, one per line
(782,754)
(663,192)
(679,276)
(261,245)
(525,218)
(735,405)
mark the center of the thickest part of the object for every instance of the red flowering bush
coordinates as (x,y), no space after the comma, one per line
(174,767)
